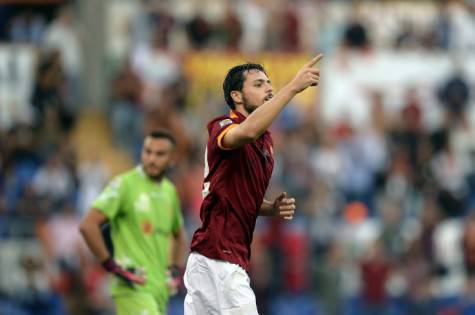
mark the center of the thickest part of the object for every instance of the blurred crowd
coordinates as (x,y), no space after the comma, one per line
(385,219)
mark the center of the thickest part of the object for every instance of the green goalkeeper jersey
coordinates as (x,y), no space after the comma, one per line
(143,215)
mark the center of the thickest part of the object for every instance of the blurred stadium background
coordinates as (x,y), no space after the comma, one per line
(381,158)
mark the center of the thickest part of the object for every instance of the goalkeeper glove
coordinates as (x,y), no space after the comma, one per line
(173,279)
(129,276)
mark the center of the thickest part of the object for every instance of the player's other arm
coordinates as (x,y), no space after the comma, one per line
(90,228)
(178,248)
(282,206)
(263,116)
(177,258)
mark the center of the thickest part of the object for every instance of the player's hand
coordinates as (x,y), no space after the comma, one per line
(307,75)
(173,280)
(284,207)
(128,276)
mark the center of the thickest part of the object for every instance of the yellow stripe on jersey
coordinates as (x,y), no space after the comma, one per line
(221,135)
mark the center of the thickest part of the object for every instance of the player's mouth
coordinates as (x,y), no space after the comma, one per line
(268,97)
(152,168)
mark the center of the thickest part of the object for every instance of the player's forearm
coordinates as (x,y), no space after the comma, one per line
(93,237)
(267,208)
(179,246)
(263,116)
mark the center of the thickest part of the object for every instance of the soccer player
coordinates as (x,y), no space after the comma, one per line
(147,231)
(238,167)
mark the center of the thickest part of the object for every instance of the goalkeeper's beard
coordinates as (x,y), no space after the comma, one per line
(155,177)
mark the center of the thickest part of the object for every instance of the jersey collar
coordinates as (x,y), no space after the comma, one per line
(141,172)
(236,115)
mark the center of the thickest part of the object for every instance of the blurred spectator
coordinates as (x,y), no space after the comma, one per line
(362,158)
(375,269)
(328,279)
(407,38)
(392,236)
(20,164)
(54,182)
(419,277)
(230,29)
(65,251)
(156,66)
(290,36)
(48,97)
(165,115)
(283,29)
(199,32)
(93,175)
(327,160)
(64,36)
(38,297)
(454,95)
(462,25)
(468,246)
(27,28)
(253,17)
(356,36)
(451,173)
(295,254)
(127,110)
(441,29)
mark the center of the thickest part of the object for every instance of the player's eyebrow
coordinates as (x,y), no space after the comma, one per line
(262,81)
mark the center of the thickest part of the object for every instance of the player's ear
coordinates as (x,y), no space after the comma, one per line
(236,96)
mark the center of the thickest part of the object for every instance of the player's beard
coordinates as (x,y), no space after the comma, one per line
(155,177)
(249,108)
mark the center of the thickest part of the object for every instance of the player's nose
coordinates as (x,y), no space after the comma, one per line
(269,89)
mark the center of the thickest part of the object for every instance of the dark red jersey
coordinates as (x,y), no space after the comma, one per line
(233,190)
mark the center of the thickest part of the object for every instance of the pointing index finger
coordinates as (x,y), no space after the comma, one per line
(316,59)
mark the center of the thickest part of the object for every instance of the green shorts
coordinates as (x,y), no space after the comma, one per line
(138,304)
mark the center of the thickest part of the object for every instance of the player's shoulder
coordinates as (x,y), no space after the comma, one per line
(221,122)
(131,175)
(168,185)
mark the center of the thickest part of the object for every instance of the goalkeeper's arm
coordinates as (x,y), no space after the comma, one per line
(178,253)
(90,228)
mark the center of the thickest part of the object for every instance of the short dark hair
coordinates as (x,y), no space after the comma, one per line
(162,134)
(235,79)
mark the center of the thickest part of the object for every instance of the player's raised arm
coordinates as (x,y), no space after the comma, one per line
(262,112)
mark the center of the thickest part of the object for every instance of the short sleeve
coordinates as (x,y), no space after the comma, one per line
(109,201)
(177,214)
(218,129)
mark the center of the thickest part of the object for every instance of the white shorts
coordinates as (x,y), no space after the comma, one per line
(216,287)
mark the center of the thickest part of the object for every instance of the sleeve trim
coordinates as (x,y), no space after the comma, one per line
(221,136)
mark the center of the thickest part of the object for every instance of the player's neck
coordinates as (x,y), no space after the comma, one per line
(241,110)
(157,179)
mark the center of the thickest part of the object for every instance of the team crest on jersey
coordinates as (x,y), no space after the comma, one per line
(147,227)
(225,122)
(143,204)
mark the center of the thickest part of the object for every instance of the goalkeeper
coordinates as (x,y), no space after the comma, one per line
(147,231)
